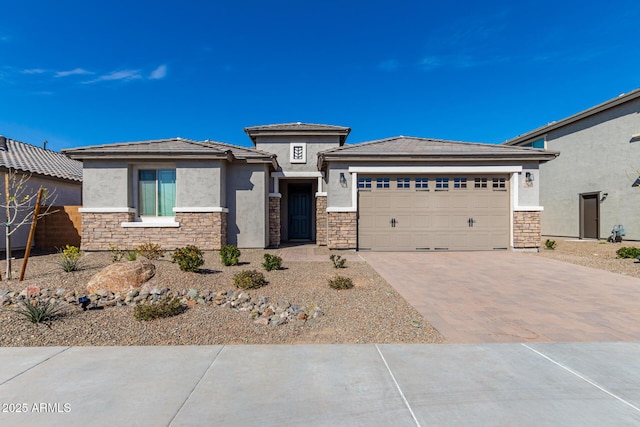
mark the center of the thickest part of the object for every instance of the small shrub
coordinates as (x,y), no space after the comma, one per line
(166,307)
(249,279)
(229,255)
(550,244)
(151,251)
(340,282)
(189,258)
(70,258)
(338,261)
(38,311)
(116,254)
(272,262)
(628,252)
(132,255)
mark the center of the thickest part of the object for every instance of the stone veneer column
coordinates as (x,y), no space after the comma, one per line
(526,229)
(207,230)
(321,220)
(342,230)
(274,221)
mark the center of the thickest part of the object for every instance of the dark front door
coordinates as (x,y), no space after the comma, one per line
(589,216)
(299,211)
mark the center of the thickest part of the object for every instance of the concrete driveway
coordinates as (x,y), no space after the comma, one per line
(488,297)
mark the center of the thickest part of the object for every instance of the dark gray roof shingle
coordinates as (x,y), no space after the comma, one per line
(31,159)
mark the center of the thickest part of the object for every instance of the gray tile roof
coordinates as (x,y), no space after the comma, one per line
(298,126)
(410,148)
(168,148)
(31,159)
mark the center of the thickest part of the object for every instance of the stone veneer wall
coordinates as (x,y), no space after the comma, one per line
(274,221)
(342,230)
(206,230)
(321,220)
(526,229)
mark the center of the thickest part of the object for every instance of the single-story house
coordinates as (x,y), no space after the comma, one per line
(301,182)
(60,175)
(593,185)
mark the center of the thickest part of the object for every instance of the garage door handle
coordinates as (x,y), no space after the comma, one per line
(471,221)
(393,222)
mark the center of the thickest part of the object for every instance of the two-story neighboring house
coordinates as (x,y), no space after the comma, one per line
(301,182)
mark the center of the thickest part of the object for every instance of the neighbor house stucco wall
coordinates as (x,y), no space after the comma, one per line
(248,203)
(597,154)
(58,193)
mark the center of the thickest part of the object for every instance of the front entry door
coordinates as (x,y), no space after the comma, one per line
(589,216)
(299,211)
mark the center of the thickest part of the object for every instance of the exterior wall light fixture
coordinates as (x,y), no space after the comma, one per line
(343,180)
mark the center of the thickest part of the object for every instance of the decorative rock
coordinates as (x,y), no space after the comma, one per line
(191,303)
(60,292)
(193,293)
(122,276)
(262,321)
(4,292)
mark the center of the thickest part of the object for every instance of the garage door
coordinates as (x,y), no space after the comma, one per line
(409,213)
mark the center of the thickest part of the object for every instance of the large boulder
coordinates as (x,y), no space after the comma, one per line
(122,277)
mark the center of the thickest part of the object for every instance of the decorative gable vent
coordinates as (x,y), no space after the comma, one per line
(298,152)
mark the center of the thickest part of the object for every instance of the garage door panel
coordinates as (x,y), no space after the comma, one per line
(434,220)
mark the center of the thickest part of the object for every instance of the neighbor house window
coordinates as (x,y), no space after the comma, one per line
(403,183)
(382,182)
(459,182)
(156,192)
(442,183)
(422,182)
(364,182)
(298,152)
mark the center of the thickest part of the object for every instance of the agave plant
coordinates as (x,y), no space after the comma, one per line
(37,310)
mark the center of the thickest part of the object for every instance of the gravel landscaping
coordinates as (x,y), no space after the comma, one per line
(594,254)
(371,312)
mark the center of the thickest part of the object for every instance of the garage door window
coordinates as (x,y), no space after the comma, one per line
(442,183)
(403,183)
(422,183)
(364,182)
(382,182)
(499,183)
(459,182)
(480,183)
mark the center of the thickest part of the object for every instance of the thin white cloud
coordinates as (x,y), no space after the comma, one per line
(74,72)
(34,71)
(389,65)
(124,75)
(159,73)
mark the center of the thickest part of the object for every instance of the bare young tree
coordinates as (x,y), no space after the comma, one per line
(19,202)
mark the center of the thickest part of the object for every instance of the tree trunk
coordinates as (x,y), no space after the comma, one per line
(7,228)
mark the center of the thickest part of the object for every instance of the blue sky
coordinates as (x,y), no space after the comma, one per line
(84,72)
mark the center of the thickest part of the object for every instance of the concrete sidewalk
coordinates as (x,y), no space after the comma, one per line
(325,385)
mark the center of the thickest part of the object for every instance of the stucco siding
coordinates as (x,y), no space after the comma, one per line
(596,154)
(247,200)
(338,195)
(105,184)
(199,184)
(281,148)
(529,185)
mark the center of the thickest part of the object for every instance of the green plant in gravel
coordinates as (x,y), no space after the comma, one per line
(550,244)
(229,254)
(249,279)
(338,261)
(132,255)
(38,311)
(116,254)
(189,258)
(341,282)
(151,251)
(166,307)
(69,258)
(628,252)
(272,262)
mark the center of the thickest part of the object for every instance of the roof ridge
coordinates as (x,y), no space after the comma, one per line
(226,144)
